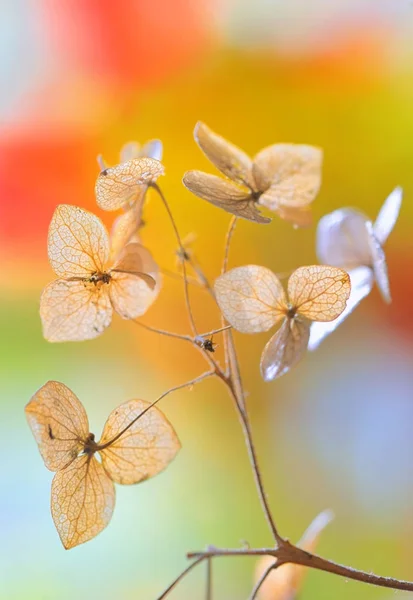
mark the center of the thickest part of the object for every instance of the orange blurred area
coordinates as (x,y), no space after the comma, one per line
(81,78)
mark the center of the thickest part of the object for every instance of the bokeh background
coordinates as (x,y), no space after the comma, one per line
(80,77)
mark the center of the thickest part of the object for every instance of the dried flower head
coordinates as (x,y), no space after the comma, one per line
(79,304)
(285,582)
(284,178)
(137,443)
(347,238)
(126,227)
(125,184)
(253,300)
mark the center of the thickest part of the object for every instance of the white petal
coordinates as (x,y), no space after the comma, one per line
(343,239)
(379,265)
(388,215)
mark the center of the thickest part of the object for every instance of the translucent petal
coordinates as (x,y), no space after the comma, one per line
(318,292)
(116,185)
(82,502)
(388,215)
(361,284)
(124,230)
(285,582)
(227,158)
(224,194)
(59,424)
(289,175)
(131,295)
(135,282)
(300,217)
(78,243)
(285,349)
(343,239)
(251,298)
(73,311)
(281,162)
(153,149)
(379,265)
(129,151)
(144,450)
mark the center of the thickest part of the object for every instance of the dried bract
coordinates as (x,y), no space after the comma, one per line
(285,582)
(119,186)
(138,442)
(253,300)
(79,304)
(347,238)
(284,178)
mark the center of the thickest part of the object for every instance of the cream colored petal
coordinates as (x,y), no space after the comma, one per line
(136,282)
(319,292)
(78,243)
(227,158)
(225,194)
(288,174)
(379,265)
(73,311)
(361,280)
(116,185)
(144,450)
(343,239)
(285,349)
(388,216)
(82,502)
(135,259)
(131,295)
(251,298)
(59,424)
(124,230)
(300,217)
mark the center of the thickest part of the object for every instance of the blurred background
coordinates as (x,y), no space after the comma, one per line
(81,77)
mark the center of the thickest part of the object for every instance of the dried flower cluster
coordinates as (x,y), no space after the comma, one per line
(98,273)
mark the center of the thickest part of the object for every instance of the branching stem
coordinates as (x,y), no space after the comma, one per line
(288,553)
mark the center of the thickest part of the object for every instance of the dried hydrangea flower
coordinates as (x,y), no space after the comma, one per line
(126,227)
(285,582)
(253,300)
(124,184)
(284,178)
(348,239)
(79,304)
(137,442)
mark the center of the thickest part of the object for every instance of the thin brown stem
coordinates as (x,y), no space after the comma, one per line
(262,579)
(244,419)
(179,578)
(288,553)
(237,392)
(215,331)
(190,383)
(228,239)
(181,248)
(186,338)
(202,278)
(190,280)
